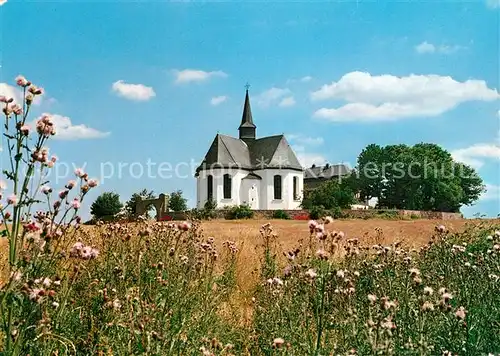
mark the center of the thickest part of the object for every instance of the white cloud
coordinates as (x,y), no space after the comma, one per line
(216,100)
(492,192)
(288,101)
(493,4)
(66,130)
(305,140)
(195,75)
(306,79)
(474,155)
(271,96)
(138,92)
(388,97)
(2,2)
(426,47)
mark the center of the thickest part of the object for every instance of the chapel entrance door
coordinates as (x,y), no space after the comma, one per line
(253,197)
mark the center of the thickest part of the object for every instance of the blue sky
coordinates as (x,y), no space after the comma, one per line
(132,82)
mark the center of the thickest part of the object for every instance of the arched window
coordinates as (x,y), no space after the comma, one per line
(210,188)
(227,186)
(296,188)
(277,187)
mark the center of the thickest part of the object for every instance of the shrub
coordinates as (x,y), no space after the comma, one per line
(317,212)
(281,214)
(177,202)
(336,213)
(239,212)
(106,206)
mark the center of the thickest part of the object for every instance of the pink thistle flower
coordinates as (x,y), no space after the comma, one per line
(328,220)
(45,126)
(79,172)
(310,273)
(460,313)
(372,298)
(3,99)
(63,194)
(50,164)
(75,204)
(25,130)
(441,229)
(46,189)
(22,81)
(94,253)
(53,159)
(12,199)
(92,183)
(184,226)
(17,109)
(70,184)
(278,343)
(312,225)
(46,282)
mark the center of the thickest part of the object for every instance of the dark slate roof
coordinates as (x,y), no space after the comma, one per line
(252,176)
(246,118)
(262,153)
(324,172)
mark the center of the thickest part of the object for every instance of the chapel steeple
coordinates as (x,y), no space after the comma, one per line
(247,127)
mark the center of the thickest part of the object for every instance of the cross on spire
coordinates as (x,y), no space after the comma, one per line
(247,86)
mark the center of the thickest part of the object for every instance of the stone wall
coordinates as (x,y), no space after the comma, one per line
(349,214)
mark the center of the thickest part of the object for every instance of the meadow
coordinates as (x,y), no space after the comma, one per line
(323,287)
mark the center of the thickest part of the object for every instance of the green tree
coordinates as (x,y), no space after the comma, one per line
(144,194)
(106,204)
(419,177)
(331,194)
(177,202)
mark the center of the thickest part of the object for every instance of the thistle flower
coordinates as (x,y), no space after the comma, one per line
(372,298)
(70,184)
(184,226)
(278,343)
(428,306)
(75,204)
(12,199)
(46,189)
(460,313)
(79,172)
(310,273)
(428,290)
(92,183)
(328,220)
(16,109)
(441,229)
(22,81)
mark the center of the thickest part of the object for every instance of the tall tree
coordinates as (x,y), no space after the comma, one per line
(177,202)
(106,204)
(419,177)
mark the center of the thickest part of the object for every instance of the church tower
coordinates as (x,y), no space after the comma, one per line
(247,127)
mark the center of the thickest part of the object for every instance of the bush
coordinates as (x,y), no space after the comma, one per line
(317,212)
(106,205)
(239,212)
(177,202)
(281,214)
(337,213)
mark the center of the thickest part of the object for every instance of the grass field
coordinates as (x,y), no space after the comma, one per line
(383,287)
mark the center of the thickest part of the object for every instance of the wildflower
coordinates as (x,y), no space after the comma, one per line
(18,110)
(310,273)
(94,253)
(322,254)
(446,297)
(92,183)
(35,90)
(70,184)
(428,290)
(184,226)
(46,282)
(116,304)
(55,304)
(328,220)
(312,225)
(441,228)
(45,126)
(428,306)
(467,264)
(3,99)
(278,342)
(79,172)
(340,274)
(75,204)
(46,189)
(497,233)
(16,276)
(414,272)
(22,81)
(356,273)
(460,313)
(35,294)
(12,199)
(372,298)
(287,271)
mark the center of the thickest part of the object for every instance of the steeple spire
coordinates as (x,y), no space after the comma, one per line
(247,127)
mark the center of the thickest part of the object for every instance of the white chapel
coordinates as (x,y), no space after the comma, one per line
(263,173)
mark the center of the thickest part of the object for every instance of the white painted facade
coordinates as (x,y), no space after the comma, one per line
(246,189)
